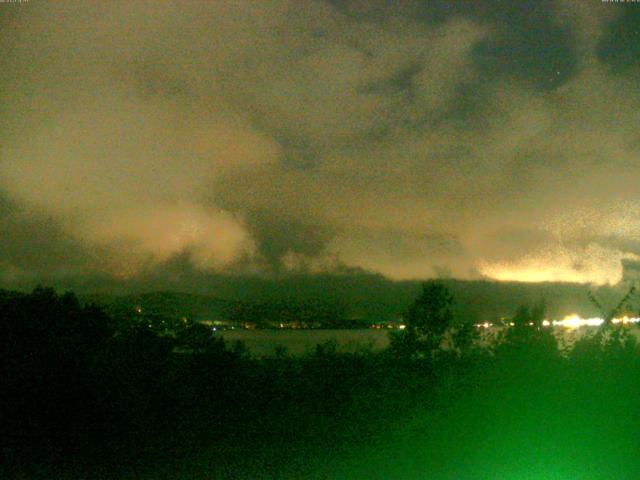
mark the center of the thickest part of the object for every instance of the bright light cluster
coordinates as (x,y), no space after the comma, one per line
(573,321)
(626,320)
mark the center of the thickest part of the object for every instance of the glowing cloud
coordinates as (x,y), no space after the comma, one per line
(590,264)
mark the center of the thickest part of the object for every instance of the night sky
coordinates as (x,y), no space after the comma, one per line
(414,139)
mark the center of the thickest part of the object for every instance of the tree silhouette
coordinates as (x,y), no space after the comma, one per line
(527,337)
(609,315)
(431,314)
(49,347)
(426,319)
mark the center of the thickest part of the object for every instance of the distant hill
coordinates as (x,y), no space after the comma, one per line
(361,297)
(167,304)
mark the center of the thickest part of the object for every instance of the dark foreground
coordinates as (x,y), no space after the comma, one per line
(86,395)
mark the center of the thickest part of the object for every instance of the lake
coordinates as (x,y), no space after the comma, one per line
(300,342)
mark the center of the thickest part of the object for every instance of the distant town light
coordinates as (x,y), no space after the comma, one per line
(573,321)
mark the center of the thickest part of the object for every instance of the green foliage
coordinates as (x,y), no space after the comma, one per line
(526,316)
(403,343)
(426,319)
(527,339)
(431,314)
(131,404)
(465,339)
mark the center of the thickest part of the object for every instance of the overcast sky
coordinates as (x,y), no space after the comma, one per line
(414,139)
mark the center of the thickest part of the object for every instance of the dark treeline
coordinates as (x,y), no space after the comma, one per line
(86,394)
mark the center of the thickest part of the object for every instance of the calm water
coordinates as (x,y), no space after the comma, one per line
(299,342)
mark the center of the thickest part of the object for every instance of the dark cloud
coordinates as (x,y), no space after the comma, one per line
(631,270)
(527,43)
(619,47)
(279,237)
(543,59)
(35,248)
(409,138)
